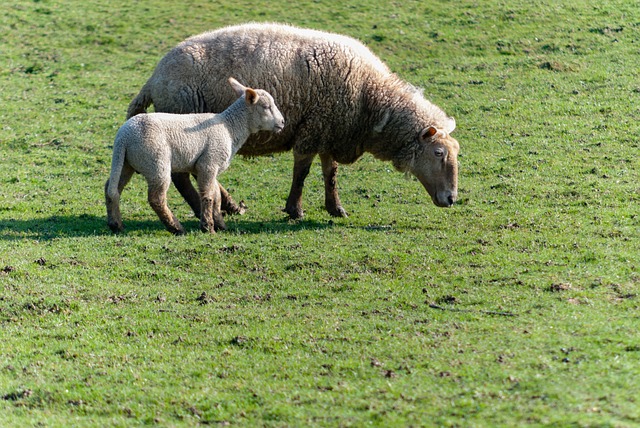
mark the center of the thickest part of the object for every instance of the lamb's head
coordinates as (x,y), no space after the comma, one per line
(435,163)
(264,115)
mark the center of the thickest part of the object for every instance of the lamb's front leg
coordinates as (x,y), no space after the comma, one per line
(211,215)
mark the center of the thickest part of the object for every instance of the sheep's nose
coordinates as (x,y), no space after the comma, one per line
(446,199)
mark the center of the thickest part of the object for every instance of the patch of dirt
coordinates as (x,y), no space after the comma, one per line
(448,299)
(205,299)
(8,270)
(239,341)
(390,374)
(554,66)
(18,395)
(558,287)
(231,249)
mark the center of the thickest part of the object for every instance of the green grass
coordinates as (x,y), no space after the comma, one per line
(519,306)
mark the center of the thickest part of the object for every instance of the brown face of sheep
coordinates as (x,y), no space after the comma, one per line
(437,165)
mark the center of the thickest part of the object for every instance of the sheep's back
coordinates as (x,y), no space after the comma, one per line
(316,80)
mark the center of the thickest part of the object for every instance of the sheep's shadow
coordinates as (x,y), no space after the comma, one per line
(85,225)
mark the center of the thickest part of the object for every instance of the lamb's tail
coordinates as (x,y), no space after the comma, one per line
(140,102)
(117,163)
(111,194)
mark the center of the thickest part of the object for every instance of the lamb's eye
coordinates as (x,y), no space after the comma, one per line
(438,153)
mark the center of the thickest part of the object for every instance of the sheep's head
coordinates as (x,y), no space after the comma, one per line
(263,112)
(436,163)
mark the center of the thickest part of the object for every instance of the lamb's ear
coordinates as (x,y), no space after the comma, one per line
(251,96)
(427,133)
(450,125)
(237,86)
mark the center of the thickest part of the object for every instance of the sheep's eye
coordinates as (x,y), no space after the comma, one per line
(438,153)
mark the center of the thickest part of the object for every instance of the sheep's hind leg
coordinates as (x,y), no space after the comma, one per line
(301,166)
(331,198)
(157,197)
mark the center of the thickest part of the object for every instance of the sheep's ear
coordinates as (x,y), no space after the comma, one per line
(428,133)
(251,96)
(237,86)
(451,125)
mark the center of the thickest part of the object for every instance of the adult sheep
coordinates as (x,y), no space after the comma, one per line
(338,98)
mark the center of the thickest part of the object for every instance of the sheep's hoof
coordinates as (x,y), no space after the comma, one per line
(232,208)
(338,211)
(207,228)
(116,227)
(294,213)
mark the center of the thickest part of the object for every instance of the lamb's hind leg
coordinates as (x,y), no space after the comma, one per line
(211,219)
(157,196)
(331,198)
(114,217)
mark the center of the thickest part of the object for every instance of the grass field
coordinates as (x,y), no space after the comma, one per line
(516,307)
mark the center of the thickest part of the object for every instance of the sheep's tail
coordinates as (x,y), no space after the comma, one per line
(140,102)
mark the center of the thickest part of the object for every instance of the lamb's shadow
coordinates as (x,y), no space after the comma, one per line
(85,225)
(238,225)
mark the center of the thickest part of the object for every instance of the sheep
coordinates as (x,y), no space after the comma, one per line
(158,144)
(340,101)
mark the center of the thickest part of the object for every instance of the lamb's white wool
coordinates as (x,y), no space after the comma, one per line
(340,101)
(159,144)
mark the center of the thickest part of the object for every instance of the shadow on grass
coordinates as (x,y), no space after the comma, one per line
(89,225)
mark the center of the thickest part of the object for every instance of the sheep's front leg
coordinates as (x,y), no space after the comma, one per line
(157,196)
(331,198)
(228,205)
(182,182)
(210,200)
(301,166)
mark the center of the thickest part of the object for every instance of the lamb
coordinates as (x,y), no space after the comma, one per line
(340,101)
(158,144)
